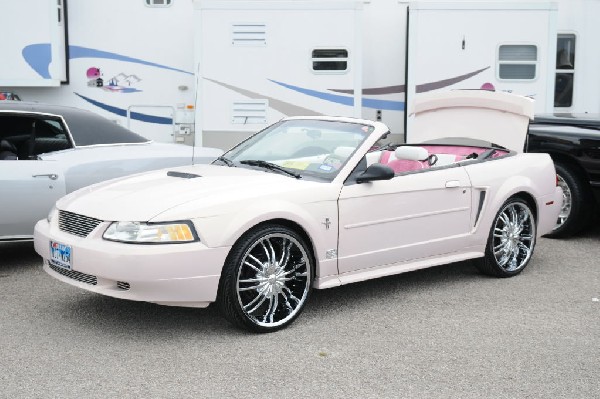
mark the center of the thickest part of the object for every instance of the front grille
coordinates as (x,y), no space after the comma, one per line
(123,285)
(78,225)
(82,277)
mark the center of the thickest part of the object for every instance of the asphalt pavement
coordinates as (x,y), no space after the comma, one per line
(445,332)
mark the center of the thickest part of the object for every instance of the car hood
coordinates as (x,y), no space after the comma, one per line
(211,190)
(147,150)
(496,117)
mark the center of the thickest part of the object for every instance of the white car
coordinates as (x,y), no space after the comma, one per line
(47,151)
(307,203)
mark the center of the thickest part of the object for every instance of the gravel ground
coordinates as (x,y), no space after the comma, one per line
(445,332)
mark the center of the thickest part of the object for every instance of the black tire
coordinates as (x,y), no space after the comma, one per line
(511,241)
(577,209)
(266,279)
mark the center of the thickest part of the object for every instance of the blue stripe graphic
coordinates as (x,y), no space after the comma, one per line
(346,100)
(134,115)
(85,52)
(39,56)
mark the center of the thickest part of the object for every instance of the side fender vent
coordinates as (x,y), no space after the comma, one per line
(479,206)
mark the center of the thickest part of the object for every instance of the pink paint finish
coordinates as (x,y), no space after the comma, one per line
(356,229)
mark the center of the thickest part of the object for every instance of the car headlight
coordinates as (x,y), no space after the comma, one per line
(51,214)
(151,233)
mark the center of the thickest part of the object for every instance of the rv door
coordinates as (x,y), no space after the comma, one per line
(260,61)
(503,46)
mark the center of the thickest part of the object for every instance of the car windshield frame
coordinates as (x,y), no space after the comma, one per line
(313,149)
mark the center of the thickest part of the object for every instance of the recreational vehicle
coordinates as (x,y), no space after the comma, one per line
(212,72)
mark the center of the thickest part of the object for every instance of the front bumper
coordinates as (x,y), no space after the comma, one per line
(170,274)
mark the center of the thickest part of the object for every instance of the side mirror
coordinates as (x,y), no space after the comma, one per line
(374,172)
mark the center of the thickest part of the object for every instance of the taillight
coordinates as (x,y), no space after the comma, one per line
(557,180)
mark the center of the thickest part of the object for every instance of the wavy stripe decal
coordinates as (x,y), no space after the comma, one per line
(345,100)
(422,88)
(374,90)
(425,87)
(123,112)
(285,108)
(85,52)
(39,56)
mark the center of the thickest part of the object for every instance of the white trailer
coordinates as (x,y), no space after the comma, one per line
(260,60)
(130,61)
(228,68)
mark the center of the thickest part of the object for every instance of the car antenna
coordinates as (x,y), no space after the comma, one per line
(195,105)
(193,146)
(194,136)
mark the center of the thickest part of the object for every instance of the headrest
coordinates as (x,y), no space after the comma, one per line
(6,146)
(411,153)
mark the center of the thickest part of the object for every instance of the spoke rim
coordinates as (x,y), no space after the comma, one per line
(565,209)
(273,279)
(513,237)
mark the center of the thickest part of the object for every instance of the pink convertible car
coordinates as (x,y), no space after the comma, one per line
(312,203)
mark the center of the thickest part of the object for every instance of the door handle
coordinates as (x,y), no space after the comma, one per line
(51,176)
(452,184)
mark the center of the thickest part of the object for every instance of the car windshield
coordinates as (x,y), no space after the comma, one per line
(305,147)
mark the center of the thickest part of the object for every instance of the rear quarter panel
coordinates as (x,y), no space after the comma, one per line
(501,178)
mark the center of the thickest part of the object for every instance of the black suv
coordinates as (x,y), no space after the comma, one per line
(573,142)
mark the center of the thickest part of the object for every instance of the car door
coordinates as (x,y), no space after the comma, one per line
(412,216)
(28,190)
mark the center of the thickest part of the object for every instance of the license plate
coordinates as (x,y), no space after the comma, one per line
(60,255)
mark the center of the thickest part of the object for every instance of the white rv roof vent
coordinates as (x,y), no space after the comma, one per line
(249,34)
(250,112)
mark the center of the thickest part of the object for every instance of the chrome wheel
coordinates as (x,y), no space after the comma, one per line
(273,279)
(513,236)
(565,210)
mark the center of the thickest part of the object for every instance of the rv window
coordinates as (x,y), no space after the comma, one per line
(158,3)
(517,62)
(565,71)
(330,60)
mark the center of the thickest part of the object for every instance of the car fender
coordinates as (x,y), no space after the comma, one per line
(536,178)
(317,219)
